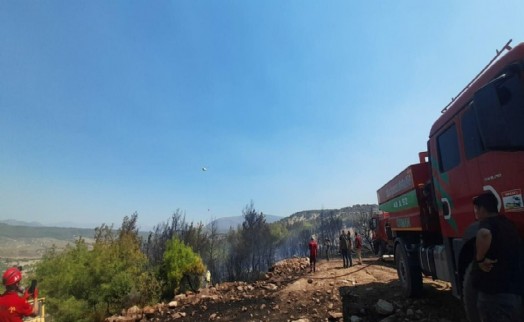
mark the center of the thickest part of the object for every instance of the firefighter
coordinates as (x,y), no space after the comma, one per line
(313,250)
(358,248)
(13,307)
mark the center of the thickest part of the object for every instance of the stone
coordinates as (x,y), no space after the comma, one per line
(172,304)
(149,310)
(213,297)
(180,297)
(335,315)
(390,318)
(270,287)
(355,318)
(195,300)
(134,310)
(384,307)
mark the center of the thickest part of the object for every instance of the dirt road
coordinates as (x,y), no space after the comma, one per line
(291,293)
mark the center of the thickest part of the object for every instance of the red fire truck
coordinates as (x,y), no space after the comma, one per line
(382,235)
(476,145)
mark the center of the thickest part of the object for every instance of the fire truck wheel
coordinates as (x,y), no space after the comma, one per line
(469,297)
(410,275)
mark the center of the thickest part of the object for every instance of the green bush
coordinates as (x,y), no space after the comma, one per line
(83,284)
(71,309)
(180,262)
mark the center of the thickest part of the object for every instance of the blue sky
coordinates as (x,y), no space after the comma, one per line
(112,107)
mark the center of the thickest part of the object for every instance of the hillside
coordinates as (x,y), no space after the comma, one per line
(22,245)
(346,214)
(226,223)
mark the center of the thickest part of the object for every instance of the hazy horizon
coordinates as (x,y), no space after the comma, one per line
(72,224)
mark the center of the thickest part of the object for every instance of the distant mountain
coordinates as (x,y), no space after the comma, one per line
(65,230)
(13,222)
(62,224)
(60,233)
(225,223)
(69,224)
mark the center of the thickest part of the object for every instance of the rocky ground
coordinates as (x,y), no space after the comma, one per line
(290,293)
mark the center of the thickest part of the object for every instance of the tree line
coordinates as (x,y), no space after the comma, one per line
(124,268)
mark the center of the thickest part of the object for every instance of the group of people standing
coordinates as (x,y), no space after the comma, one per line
(346,246)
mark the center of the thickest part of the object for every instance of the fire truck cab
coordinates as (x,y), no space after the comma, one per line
(476,145)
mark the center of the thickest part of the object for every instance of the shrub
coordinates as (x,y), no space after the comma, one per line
(180,262)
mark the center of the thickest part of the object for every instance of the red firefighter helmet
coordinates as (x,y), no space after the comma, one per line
(11,276)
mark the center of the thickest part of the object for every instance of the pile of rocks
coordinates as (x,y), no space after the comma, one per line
(296,265)
(185,304)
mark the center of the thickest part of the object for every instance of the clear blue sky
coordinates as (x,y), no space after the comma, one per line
(112,107)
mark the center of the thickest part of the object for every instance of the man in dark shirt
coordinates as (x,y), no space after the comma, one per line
(350,248)
(327,246)
(344,249)
(496,275)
